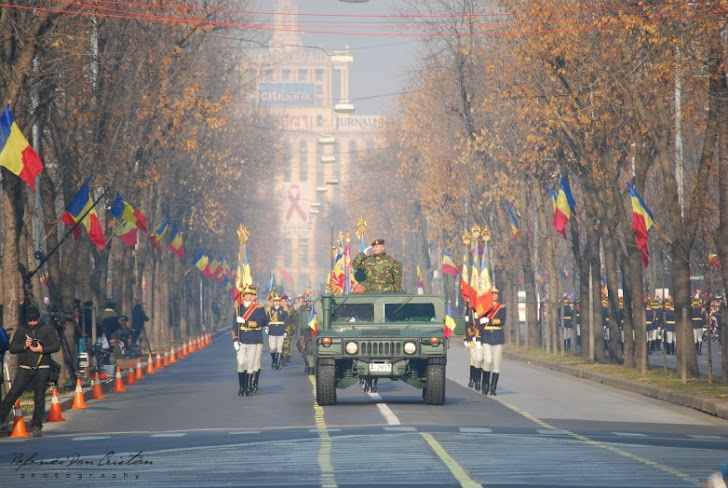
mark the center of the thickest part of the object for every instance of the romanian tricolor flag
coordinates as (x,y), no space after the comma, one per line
(201,262)
(313,321)
(338,275)
(449,323)
(563,206)
(155,238)
(641,223)
(175,244)
(16,154)
(127,231)
(448,265)
(347,268)
(515,221)
(121,209)
(214,268)
(484,289)
(81,209)
(465,289)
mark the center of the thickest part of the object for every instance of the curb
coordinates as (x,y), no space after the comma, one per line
(710,406)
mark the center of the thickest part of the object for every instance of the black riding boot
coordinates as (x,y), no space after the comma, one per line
(273,360)
(494,383)
(471,382)
(700,348)
(243,379)
(256,375)
(568,344)
(279,361)
(374,384)
(486,382)
(477,378)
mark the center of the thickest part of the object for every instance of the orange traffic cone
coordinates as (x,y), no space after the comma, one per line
(19,428)
(139,374)
(78,399)
(172,356)
(193,345)
(54,414)
(158,363)
(150,364)
(165,358)
(97,392)
(131,377)
(118,382)
(185,351)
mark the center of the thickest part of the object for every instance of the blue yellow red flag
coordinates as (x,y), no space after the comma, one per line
(81,209)
(641,223)
(16,154)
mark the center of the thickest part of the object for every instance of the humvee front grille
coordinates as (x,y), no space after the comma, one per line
(379,348)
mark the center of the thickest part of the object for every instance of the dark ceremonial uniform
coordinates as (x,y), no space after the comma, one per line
(493,337)
(248,333)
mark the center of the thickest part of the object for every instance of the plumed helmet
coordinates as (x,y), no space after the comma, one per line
(250,289)
(275,297)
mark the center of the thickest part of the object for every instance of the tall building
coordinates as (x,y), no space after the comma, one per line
(307,90)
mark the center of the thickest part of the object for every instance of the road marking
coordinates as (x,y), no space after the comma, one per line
(175,434)
(552,431)
(476,430)
(246,432)
(457,471)
(400,429)
(386,412)
(706,437)
(628,434)
(615,450)
(328,477)
(91,438)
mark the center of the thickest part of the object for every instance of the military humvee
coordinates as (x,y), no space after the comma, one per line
(371,336)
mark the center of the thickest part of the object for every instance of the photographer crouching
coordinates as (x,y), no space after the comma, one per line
(34,343)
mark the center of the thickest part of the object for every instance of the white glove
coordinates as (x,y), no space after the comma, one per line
(236,345)
(285,334)
(475,314)
(465,343)
(467,318)
(267,331)
(485,321)
(368,250)
(239,319)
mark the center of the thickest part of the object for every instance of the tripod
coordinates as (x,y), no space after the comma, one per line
(59,323)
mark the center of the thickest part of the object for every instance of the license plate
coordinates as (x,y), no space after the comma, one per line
(380,367)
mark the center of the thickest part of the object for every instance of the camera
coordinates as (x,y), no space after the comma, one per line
(34,343)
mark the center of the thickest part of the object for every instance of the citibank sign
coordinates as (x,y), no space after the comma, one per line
(287,93)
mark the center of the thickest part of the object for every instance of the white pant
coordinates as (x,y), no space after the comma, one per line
(476,354)
(492,356)
(669,337)
(248,357)
(275,343)
(567,333)
(698,335)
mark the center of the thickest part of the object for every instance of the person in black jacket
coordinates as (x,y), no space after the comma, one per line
(34,343)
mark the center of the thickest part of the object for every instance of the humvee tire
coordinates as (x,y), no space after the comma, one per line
(326,384)
(434,392)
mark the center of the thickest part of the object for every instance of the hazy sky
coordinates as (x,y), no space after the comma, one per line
(381,62)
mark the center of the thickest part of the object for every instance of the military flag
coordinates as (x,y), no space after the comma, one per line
(420,282)
(641,223)
(515,218)
(465,289)
(16,154)
(563,206)
(121,209)
(175,244)
(82,209)
(348,275)
(449,323)
(484,289)
(202,262)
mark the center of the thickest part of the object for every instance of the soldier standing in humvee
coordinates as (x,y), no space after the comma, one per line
(383,272)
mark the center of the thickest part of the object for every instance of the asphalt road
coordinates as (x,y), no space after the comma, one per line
(186,426)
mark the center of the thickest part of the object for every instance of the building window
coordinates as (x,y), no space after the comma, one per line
(269,74)
(303,161)
(302,74)
(286,75)
(353,153)
(319,75)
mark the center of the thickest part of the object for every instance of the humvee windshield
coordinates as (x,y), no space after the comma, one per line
(409,312)
(353,312)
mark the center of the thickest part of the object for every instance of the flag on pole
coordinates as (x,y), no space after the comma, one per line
(202,262)
(155,238)
(81,209)
(484,289)
(448,265)
(515,221)
(127,231)
(121,209)
(465,289)
(176,242)
(16,154)
(449,323)
(563,206)
(348,275)
(313,321)
(641,223)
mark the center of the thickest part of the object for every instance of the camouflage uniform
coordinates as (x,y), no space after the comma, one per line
(383,273)
(288,340)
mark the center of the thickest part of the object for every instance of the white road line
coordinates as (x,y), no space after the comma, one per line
(91,438)
(172,434)
(628,434)
(476,430)
(246,432)
(387,413)
(400,429)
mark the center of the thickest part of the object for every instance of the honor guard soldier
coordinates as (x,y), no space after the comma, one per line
(697,314)
(577,321)
(250,319)
(651,325)
(474,346)
(669,317)
(568,315)
(383,272)
(492,336)
(278,323)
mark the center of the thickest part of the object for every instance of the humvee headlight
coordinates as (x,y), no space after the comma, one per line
(352,347)
(410,347)
(435,341)
(326,341)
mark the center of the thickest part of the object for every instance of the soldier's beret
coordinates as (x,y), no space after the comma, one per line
(378,242)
